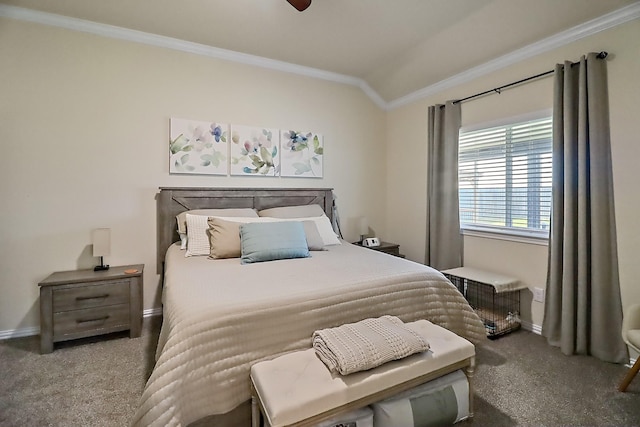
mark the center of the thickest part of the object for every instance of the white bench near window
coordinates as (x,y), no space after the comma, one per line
(297,389)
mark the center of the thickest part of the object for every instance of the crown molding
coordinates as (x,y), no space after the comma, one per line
(586,29)
(373,95)
(604,22)
(120,33)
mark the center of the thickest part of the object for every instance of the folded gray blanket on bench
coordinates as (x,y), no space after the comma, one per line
(366,344)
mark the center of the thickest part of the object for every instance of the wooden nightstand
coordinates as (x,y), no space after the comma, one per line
(386,247)
(83,303)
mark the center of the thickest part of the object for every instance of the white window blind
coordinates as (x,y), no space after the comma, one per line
(504,177)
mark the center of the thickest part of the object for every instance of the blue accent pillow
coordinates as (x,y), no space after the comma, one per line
(269,241)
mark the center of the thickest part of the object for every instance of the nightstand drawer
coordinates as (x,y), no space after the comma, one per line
(76,323)
(87,295)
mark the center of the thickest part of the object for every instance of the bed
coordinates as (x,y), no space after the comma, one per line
(221,316)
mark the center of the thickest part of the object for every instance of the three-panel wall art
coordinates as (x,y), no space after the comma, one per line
(210,148)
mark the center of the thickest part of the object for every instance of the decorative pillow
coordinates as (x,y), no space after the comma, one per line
(197,238)
(271,241)
(304,211)
(181,218)
(314,239)
(224,235)
(198,229)
(323,223)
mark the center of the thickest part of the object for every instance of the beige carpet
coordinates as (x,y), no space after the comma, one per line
(89,382)
(520,381)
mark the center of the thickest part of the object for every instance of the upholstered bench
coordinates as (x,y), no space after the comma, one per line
(297,389)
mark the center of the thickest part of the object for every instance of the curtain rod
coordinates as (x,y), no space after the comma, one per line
(601,55)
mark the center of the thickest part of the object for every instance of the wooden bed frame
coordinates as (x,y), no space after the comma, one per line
(173,200)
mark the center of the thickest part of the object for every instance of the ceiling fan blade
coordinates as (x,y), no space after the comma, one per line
(300,4)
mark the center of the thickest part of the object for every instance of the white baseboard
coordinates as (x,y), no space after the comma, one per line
(150,312)
(18,333)
(35,330)
(537,329)
(531,327)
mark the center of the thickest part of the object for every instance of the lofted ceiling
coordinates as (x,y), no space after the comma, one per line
(396,46)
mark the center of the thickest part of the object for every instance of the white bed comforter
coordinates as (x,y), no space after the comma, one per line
(220,317)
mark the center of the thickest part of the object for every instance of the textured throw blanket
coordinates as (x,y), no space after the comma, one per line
(366,344)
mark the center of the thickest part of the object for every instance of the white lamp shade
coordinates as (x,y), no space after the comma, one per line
(363,225)
(101,239)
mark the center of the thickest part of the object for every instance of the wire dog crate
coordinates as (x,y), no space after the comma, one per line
(495,298)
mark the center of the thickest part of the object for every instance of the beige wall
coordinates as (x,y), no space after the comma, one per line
(85,125)
(406,160)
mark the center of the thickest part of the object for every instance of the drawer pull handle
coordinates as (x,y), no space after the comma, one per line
(92,297)
(99,319)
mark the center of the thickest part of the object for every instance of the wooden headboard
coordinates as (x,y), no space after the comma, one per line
(172,201)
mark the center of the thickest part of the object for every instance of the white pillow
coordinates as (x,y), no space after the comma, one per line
(242,212)
(314,239)
(323,223)
(197,238)
(293,212)
(181,218)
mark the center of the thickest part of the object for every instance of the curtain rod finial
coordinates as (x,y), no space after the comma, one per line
(603,55)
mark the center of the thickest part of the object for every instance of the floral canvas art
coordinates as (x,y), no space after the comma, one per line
(301,154)
(255,151)
(198,147)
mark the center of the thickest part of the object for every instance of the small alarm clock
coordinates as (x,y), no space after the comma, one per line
(371,242)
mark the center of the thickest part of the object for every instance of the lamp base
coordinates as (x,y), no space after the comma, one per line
(101,267)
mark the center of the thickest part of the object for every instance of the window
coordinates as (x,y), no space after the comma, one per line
(504,178)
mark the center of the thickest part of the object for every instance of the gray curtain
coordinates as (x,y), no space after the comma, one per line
(583,311)
(444,244)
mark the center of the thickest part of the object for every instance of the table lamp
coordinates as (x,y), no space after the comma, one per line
(101,238)
(363,227)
